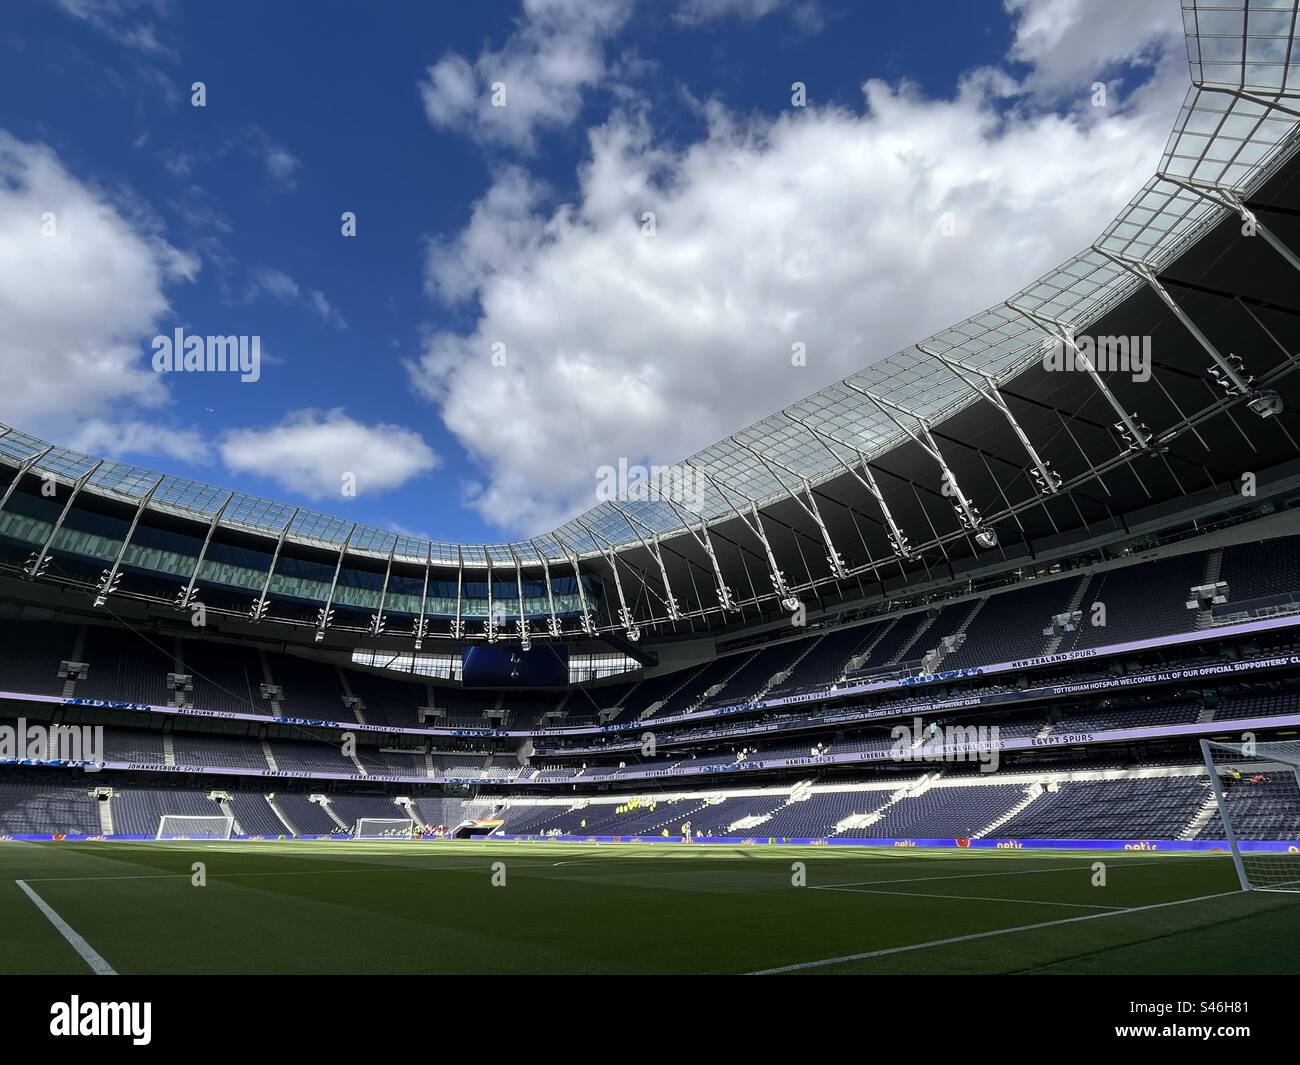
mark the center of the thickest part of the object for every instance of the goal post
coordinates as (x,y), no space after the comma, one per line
(1257,791)
(384,828)
(188,826)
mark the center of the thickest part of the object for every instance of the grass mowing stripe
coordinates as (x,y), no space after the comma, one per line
(865,955)
(88,953)
(972,898)
(967,876)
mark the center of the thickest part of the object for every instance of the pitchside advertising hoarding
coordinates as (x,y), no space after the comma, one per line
(1204,846)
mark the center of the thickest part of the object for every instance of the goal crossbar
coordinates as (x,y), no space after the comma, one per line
(383,828)
(195,826)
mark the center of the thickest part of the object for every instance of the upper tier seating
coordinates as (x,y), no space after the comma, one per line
(225,677)
(127,666)
(30,653)
(1009,625)
(1141,601)
(1261,570)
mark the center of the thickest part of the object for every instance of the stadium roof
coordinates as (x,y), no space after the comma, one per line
(962,441)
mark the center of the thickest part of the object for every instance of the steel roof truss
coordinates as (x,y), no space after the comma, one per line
(187,593)
(108,582)
(38,562)
(326,613)
(1047,480)
(260,604)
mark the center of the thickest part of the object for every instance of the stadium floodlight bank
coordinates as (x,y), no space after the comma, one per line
(185,826)
(1257,789)
(384,828)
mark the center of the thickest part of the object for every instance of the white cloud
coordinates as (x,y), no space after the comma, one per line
(1072,43)
(804,12)
(269,281)
(821,227)
(116,440)
(124,21)
(556,53)
(311,452)
(325,310)
(282,165)
(76,308)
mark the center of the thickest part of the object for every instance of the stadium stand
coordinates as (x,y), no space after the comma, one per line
(33,806)
(124,665)
(30,654)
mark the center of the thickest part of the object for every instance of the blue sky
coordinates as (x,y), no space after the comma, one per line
(475,226)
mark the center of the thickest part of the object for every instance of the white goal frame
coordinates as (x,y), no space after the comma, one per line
(1272,764)
(228,826)
(391,822)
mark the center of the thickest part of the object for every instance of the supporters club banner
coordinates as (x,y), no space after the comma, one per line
(856,714)
(929,753)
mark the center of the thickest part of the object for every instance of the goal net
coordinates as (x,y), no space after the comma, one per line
(1257,789)
(185,826)
(384,828)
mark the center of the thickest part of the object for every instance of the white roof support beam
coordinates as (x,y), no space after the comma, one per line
(108,583)
(587,621)
(1228,197)
(1135,433)
(967,513)
(458,622)
(490,629)
(726,599)
(652,546)
(625,617)
(260,604)
(1045,477)
(1228,372)
(422,622)
(862,474)
(377,620)
(521,623)
(22,472)
(326,613)
(187,593)
(833,558)
(755,525)
(36,564)
(1271,102)
(554,626)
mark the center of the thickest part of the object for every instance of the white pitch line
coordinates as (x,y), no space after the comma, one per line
(88,953)
(974,898)
(845,958)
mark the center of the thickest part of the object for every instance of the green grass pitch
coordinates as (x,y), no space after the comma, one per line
(409,907)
